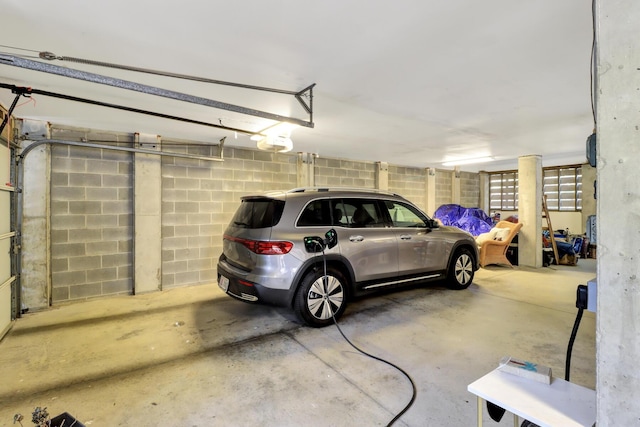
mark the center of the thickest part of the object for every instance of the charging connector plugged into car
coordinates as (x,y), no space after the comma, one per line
(314,244)
(582,297)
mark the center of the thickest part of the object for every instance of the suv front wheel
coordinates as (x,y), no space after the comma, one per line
(320,298)
(461,270)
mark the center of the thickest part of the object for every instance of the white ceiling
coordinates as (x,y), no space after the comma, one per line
(413,82)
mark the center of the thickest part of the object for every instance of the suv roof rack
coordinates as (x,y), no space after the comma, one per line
(325,189)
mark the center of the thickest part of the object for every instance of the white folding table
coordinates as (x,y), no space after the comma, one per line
(559,404)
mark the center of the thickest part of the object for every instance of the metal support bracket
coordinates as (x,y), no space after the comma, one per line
(19,91)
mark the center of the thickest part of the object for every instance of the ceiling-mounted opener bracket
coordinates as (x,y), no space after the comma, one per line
(19,91)
(308,107)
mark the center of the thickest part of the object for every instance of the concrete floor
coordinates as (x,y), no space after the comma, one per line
(195,357)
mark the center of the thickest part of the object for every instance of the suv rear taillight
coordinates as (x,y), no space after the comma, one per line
(263,247)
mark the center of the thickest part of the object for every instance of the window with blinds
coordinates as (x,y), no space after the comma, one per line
(503,191)
(563,188)
(561,185)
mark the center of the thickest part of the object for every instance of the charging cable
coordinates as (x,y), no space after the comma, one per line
(581,304)
(335,321)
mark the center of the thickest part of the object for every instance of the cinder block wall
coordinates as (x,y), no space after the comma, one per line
(469,189)
(344,173)
(410,183)
(444,187)
(199,197)
(91,221)
(92,206)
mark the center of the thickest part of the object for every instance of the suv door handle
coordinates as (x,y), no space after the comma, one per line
(356,238)
(405,236)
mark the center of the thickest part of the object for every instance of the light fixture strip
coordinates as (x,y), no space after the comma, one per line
(468,161)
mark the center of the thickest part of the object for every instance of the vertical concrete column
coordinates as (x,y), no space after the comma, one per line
(530,211)
(618,204)
(306,169)
(485,192)
(430,190)
(455,185)
(382,176)
(35,277)
(147,212)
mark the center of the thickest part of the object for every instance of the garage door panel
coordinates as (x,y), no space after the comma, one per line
(5,220)
(5,309)
(6,233)
(5,259)
(4,164)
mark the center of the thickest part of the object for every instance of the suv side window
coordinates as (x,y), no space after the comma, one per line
(403,215)
(316,213)
(339,212)
(362,213)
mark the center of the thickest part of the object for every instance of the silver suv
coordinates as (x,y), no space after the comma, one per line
(279,245)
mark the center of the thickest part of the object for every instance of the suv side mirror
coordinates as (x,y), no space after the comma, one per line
(433,223)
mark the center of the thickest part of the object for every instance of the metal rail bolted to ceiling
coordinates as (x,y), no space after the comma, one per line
(152,90)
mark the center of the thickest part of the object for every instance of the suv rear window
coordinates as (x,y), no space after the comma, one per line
(258,213)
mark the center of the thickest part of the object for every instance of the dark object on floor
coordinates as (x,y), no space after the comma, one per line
(512,254)
(566,253)
(65,420)
(472,220)
(495,412)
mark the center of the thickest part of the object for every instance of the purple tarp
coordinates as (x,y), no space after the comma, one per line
(473,220)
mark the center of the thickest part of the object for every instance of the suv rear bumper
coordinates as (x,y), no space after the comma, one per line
(244,290)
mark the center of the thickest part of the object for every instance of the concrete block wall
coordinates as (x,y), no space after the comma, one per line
(92,211)
(344,173)
(469,189)
(199,197)
(91,222)
(444,187)
(409,182)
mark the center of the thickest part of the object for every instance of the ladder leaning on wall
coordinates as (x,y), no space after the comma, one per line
(545,214)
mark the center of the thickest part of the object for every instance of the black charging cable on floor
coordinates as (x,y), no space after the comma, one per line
(335,321)
(414,393)
(581,304)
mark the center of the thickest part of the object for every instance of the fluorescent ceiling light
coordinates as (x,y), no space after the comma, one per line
(468,161)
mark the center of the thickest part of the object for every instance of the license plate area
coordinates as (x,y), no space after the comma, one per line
(223,283)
